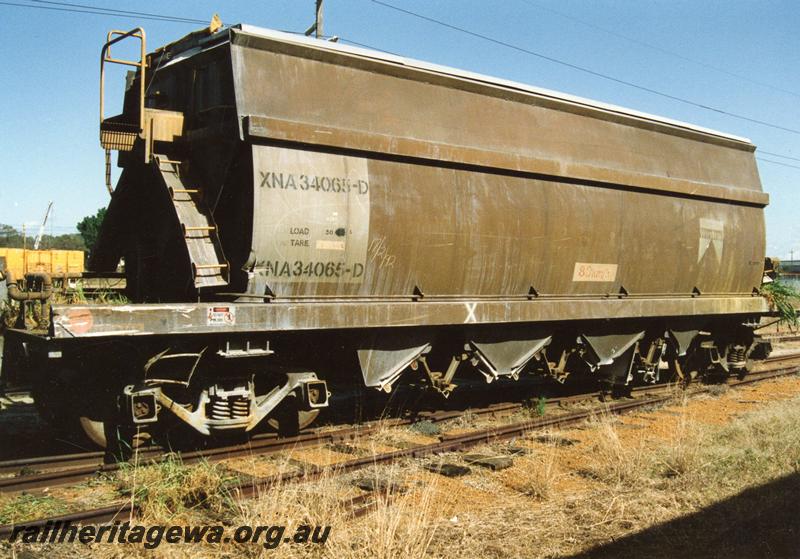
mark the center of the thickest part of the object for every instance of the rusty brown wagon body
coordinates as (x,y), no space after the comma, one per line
(306,202)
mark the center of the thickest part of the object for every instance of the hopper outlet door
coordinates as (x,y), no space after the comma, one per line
(608,348)
(506,358)
(311,216)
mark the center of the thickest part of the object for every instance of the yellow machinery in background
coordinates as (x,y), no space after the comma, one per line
(57,263)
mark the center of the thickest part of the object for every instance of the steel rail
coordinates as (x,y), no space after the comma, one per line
(36,470)
(64,469)
(75,468)
(254,487)
(471,439)
(781,337)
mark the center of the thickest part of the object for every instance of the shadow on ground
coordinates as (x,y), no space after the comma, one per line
(761,522)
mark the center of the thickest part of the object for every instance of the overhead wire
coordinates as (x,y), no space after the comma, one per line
(97,10)
(539,6)
(363,45)
(778,163)
(62,7)
(584,69)
(349,41)
(115,10)
(779,155)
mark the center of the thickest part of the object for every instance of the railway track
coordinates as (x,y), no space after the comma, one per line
(29,474)
(782,337)
(645,396)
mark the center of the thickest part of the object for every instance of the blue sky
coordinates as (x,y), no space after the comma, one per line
(49,100)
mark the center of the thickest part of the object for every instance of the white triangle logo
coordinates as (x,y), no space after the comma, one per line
(712,233)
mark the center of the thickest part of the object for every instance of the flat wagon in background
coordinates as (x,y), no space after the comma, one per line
(294,213)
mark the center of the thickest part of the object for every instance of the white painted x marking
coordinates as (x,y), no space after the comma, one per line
(471,312)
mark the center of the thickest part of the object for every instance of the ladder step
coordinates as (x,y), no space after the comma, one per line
(196,221)
(199,228)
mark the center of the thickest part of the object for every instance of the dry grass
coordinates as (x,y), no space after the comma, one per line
(539,475)
(26,507)
(389,435)
(759,445)
(396,526)
(633,485)
(8,314)
(426,427)
(684,455)
(401,522)
(612,460)
(717,389)
(170,489)
(554,501)
(466,420)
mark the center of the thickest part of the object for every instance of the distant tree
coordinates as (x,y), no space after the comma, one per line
(69,241)
(11,238)
(89,228)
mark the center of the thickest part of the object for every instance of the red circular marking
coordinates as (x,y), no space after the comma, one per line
(80,321)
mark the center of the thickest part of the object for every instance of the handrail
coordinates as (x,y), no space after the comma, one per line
(113,37)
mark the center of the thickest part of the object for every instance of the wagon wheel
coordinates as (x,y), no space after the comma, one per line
(746,370)
(53,409)
(288,419)
(683,375)
(124,439)
(99,422)
(94,430)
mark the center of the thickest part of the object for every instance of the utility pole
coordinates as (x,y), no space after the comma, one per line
(316,27)
(24,250)
(318,24)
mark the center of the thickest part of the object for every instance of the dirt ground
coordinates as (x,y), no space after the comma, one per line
(640,474)
(716,475)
